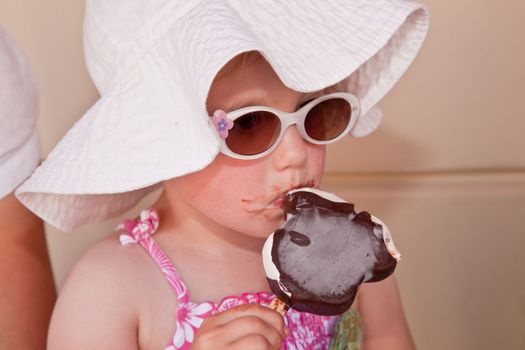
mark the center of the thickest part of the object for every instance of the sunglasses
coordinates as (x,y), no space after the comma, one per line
(254,132)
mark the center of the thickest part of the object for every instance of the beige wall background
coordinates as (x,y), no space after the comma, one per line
(446,170)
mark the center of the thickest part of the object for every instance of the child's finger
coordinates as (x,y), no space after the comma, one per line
(252,342)
(252,325)
(270,316)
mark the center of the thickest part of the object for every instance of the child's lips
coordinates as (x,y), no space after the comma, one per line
(279,202)
(256,206)
(276,203)
(273,205)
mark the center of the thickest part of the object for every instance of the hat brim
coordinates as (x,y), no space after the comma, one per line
(133,138)
(17,165)
(152,124)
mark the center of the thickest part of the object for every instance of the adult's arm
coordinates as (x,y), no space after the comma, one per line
(27,291)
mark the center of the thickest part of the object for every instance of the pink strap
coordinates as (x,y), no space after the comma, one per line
(140,231)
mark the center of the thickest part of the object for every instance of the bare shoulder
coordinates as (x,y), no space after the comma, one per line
(97,307)
(110,263)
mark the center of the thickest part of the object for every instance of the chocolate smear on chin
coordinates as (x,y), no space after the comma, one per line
(324,251)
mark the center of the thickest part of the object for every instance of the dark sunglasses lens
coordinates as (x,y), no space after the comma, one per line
(253,133)
(328,119)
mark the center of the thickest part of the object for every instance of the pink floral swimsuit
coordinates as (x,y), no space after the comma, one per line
(306,331)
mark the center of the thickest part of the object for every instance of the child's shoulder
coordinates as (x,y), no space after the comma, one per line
(117,272)
(100,291)
(106,270)
(114,289)
(108,260)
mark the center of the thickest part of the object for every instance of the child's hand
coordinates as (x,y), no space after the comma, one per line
(250,326)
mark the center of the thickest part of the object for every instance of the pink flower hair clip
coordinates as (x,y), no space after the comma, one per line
(222,123)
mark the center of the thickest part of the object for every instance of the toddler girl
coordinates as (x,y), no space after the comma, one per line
(226,105)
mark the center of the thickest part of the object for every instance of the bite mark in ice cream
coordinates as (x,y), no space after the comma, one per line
(316,261)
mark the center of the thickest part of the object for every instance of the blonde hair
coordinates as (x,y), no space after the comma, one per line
(249,57)
(238,63)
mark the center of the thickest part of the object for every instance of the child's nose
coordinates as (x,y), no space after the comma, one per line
(292,151)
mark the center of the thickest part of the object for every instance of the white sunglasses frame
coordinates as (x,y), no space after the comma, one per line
(298,117)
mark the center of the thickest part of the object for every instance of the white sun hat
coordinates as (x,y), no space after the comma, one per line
(19,145)
(154,61)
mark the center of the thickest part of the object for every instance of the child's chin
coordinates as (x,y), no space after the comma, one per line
(260,231)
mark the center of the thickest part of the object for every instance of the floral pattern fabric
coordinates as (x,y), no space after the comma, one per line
(348,334)
(306,331)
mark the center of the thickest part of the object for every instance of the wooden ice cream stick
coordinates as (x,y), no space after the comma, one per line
(279,306)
